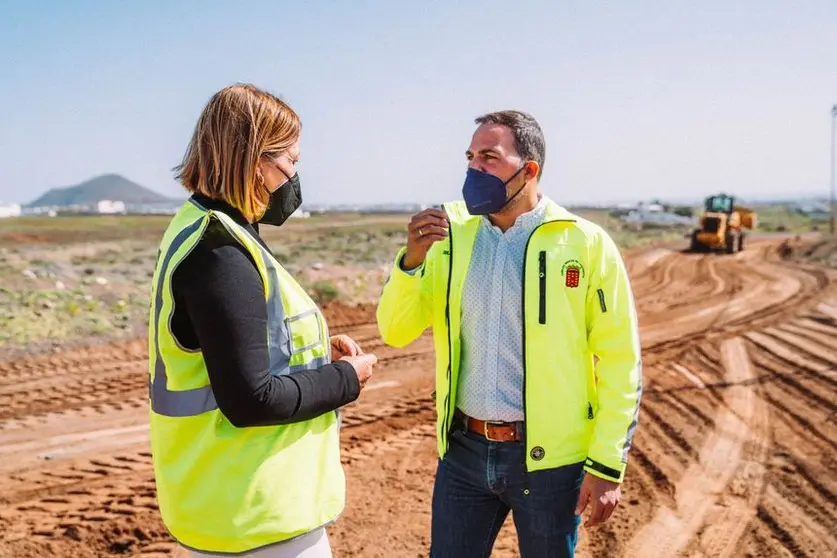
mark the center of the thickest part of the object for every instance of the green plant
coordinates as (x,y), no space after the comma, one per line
(324,291)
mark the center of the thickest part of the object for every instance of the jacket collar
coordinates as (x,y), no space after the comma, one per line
(458,212)
(223,207)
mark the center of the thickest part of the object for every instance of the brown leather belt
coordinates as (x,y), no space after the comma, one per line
(493,431)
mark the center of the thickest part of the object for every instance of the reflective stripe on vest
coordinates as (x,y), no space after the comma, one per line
(192,402)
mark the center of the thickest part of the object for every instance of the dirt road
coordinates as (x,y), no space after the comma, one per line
(734,454)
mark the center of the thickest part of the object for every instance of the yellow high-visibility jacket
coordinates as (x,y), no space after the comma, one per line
(577,303)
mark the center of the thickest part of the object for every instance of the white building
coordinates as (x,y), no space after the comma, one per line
(9,210)
(110,206)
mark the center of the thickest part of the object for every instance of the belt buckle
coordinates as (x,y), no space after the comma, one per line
(485,430)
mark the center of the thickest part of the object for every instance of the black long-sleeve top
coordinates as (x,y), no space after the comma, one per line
(219,308)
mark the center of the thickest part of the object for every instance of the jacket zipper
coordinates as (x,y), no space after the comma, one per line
(542,287)
(523,320)
(446,424)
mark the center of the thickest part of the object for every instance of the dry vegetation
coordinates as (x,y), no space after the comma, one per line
(70,280)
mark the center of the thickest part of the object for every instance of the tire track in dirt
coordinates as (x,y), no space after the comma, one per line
(814,323)
(797,532)
(106,490)
(801,427)
(788,349)
(91,387)
(70,361)
(26,452)
(672,530)
(75,498)
(796,382)
(676,445)
(63,480)
(656,274)
(799,504)
(786,289)
(100,409)
(97,491)
(727,521)
(814,344)
(689,408)
(110,385)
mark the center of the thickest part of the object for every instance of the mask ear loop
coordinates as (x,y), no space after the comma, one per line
(525,182)
(287,178)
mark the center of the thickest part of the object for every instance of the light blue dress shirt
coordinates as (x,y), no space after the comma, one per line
(490,383)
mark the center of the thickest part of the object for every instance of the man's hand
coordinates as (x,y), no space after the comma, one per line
(604,495)
(343,346)
(425,228)
(363,367)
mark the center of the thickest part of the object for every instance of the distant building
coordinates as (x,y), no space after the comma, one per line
(110,206)
(816,211)
(650,213)
(9,210)
(371,208)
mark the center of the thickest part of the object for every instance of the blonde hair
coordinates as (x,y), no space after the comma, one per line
(239,125)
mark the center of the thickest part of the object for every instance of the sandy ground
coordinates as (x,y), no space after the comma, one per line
(734,454)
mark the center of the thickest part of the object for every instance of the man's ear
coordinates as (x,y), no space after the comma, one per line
(532,169)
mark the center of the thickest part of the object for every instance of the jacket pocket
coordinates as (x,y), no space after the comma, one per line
(602,302)
(542,287)
(305,332)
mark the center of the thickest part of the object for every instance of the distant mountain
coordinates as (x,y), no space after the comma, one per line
(106,187)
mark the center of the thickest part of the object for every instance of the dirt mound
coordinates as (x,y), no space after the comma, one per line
(822,251)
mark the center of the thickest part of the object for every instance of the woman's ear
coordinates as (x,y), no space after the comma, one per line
(259,173)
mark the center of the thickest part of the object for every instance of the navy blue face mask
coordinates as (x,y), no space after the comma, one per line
(485,193)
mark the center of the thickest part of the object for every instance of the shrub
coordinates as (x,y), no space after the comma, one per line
(324,291)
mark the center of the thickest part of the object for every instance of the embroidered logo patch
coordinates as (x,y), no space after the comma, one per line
(573,271)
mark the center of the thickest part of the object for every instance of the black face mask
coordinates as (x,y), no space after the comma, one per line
(283,202)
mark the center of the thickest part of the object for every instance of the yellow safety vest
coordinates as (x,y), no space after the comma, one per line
(577,303)
(221,488)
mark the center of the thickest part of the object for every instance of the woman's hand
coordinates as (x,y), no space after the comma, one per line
(344,346)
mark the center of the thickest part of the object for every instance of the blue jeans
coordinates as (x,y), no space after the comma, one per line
(478,482)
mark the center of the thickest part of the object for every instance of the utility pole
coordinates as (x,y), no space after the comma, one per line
(833,146)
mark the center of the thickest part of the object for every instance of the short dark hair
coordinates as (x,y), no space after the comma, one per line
(528,136)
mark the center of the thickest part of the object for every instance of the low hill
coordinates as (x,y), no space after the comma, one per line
(106,187)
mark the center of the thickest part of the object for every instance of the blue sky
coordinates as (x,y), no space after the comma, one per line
(637,99)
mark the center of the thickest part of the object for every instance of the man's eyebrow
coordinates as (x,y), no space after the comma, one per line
(483,151)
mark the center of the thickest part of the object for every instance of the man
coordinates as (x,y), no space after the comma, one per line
(522,296)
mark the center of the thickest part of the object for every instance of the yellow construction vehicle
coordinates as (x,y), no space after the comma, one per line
(722,225)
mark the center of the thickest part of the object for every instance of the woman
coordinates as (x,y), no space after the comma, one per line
(245,382)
